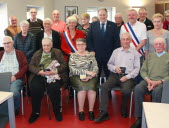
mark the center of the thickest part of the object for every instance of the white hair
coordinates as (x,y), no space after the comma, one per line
(160,39)
(24,22)
(47,39)
(47,19)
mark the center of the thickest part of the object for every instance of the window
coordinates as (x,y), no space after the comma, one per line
(40,11)
(4,22)
(93,12)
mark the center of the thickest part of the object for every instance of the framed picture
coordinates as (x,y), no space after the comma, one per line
(70,10)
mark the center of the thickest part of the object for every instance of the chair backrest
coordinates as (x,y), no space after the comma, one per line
(5,81)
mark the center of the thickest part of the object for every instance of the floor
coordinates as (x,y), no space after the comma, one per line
(72,121)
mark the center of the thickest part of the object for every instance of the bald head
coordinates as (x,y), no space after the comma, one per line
(56,15)
(13,21)
(33,13)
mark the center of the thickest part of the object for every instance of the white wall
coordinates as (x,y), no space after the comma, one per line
(18,7)
(121,6)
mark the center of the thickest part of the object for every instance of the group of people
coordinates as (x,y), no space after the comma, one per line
(52,48)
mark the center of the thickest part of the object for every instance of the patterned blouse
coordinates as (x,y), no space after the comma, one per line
(84,30)
(80,64)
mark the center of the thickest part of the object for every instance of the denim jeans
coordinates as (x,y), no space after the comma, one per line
(16,86)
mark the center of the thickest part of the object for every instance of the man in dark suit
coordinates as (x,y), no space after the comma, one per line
(102,39)
(143,18)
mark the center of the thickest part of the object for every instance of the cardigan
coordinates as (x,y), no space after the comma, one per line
(56,54)
(23,65)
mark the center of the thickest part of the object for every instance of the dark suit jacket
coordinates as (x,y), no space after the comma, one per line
(103,47)
(148,23)
(55,37)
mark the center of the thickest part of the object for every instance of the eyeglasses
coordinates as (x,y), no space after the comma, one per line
(78,45)
(6,43)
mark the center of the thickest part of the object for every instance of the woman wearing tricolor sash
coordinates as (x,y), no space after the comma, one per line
(69,37)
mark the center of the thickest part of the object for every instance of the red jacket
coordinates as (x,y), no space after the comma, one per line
(64,45)
(23,65)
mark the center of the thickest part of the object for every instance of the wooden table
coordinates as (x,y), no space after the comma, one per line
(155,115)
(9,97)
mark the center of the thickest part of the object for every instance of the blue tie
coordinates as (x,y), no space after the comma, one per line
(102,29)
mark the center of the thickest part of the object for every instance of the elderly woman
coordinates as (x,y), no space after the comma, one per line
(85,18)
(83,72)
(25,41)
(47,67)
(158,31)
(166,22)
(48,32)
(69,37)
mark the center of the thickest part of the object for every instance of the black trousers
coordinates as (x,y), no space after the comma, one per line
(37,89)
(126,89)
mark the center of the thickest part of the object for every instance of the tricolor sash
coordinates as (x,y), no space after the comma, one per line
(135,40)
(69,42)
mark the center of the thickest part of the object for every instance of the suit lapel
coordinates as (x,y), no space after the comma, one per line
(107,28)
(98,28)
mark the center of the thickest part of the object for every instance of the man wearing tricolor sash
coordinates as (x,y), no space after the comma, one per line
(137,31)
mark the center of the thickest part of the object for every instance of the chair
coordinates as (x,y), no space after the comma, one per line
(74,93)
(5,80)
(116,88)
(104,78)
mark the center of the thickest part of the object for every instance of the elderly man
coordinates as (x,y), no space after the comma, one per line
(137,30)
(48,32)
(13,28)
(47,67)
(143,18)
(124,65)
(102,39)
(58,25)
(35,24)
(119,20)
(12,60)
(155,71)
